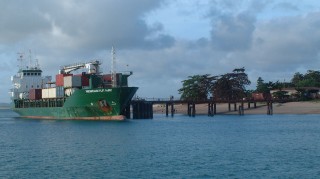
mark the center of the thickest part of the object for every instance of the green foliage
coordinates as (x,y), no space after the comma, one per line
(231,85)
(263,87)
(297,77)
(301,82)
(310,79)
(197,87)
(227,86)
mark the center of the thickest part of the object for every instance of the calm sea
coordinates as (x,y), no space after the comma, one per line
(250,146)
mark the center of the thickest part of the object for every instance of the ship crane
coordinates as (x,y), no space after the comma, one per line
(93,67)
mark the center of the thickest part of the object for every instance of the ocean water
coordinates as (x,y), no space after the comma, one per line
(223,146)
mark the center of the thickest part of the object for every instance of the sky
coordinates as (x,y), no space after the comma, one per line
(162,41)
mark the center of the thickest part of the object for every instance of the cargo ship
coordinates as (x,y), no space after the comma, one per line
(89,95)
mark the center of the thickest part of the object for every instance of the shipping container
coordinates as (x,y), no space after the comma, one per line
(49,93)
(107,78)
(84,79)
(95,81)
(35,94)
(72,81)
(60,91)
(60,79)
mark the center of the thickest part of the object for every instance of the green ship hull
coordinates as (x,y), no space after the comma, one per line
(83,104)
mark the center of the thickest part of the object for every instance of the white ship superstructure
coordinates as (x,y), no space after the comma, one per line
(28,77)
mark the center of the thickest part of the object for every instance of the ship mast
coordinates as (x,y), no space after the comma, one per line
(30,59)
(113,66)
(20,59)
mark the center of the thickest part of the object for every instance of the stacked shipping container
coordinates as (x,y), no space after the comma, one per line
(66,85)
(60,79)
(49,93)
(35,94)
(72,81)
(84,79)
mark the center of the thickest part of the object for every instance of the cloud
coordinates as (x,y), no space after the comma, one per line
(19,20)
(231,35)
(284,44)
(285,6)
(85,25)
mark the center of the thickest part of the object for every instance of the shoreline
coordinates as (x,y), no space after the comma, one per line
(309,107)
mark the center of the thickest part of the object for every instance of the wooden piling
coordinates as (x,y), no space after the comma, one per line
(241,110)
(269,108)
(167,109)
(193,109)
(210,109)
(189,109)
(172,109)
(142,110)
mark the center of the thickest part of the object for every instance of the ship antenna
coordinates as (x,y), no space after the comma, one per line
(30,58)
(113,66)
(20,59)
(37,64)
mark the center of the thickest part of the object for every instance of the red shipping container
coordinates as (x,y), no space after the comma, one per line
(84,79)
(35,94)
(107,78)
(59,79)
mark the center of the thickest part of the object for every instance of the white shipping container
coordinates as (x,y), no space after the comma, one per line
(72,81)
(49,93)
(45,93)
(52,93)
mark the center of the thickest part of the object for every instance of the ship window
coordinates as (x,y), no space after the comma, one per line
(28,74)
(37,86)
(39,74)
(31,74)
(27,86)
(24,74)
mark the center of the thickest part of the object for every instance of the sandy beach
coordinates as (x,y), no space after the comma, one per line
(312,107)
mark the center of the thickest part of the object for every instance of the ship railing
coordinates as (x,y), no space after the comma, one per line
(28,103)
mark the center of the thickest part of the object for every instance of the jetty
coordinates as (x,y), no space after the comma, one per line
(142,108)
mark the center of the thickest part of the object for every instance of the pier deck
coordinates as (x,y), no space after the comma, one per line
(145,106)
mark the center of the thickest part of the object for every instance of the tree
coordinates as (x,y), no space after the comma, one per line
(262,87)
(231,86)
(197,87)
(310,79)
(297,77)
